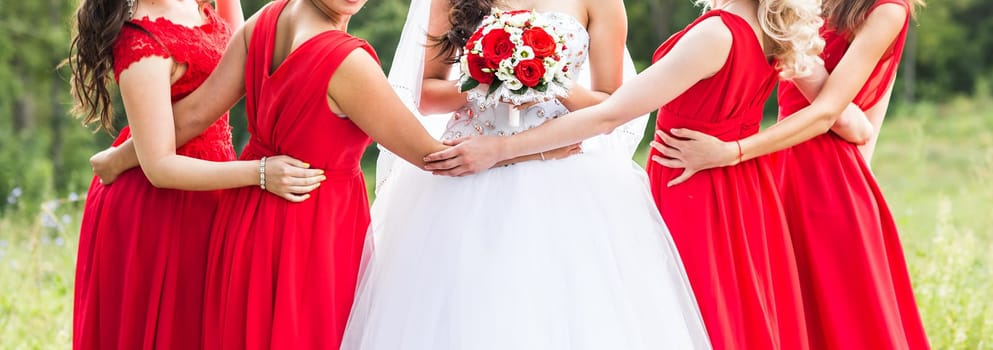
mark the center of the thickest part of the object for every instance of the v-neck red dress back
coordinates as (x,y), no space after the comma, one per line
(857,290)
(282,275)
(728,222)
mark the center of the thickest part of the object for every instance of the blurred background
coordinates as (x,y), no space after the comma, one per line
(934,160)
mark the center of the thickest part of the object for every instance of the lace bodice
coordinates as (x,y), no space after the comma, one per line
(199,48)
(475,120)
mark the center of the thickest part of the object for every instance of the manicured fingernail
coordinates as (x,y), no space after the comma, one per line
(322,172)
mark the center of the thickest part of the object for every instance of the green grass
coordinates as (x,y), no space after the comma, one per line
(934,163)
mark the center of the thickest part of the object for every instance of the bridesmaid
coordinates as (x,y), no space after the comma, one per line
(143,249)
(282,275)
(857,292)
(728,223)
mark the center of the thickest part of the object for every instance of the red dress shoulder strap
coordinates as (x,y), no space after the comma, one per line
(264,37)
(336,45)
(883,75)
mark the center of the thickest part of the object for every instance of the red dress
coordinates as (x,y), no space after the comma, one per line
(856,287)
(728,222)
(143,250)
(282,275)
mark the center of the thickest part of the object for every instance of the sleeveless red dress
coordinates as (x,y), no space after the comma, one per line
(728,222)
(143,250)
(282,275)
(857,291)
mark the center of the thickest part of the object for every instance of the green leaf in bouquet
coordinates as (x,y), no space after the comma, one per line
(543,87)
(493,86)
(520,91)
(469,84)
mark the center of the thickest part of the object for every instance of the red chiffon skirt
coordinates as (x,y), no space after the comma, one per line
(856,288)
(141,263)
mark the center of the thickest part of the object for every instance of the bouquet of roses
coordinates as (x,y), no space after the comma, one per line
(514,57)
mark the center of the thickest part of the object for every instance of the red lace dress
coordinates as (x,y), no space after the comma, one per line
(856,288)
(143,250)
(282,275)
(728,222)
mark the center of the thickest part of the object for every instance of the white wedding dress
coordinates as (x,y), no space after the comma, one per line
(558,254)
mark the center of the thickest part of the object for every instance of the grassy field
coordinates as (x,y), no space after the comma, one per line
(935,164)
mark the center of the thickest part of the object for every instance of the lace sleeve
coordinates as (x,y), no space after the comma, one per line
(133,44)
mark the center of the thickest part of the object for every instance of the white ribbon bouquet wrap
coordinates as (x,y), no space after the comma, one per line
(514,57)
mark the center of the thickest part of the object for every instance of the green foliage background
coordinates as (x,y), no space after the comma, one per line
(43,150)
(935,161)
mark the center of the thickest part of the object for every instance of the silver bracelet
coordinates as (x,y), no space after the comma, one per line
(542,154)
(262,173)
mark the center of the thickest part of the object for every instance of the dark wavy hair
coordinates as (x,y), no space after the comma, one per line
(464,16)
(91,59)
(847,16)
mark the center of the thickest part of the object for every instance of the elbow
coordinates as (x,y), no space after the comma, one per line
(861,138)
(608,121)
(825,116)
(156,181)
(427,105)
(156,176)
(424,109)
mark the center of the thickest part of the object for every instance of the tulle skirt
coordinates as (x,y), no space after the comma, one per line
(561,254)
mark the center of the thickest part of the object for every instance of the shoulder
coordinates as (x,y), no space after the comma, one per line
(133,44)
(135,33)
(606,11)
(704,48)
(889,12)
(883,23)
(342,44)
(352,49)
(711,33)
(595,7)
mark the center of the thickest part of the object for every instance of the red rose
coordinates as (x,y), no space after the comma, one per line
(515,12)
(539,40)
(471,44)
(497,46)
(476,64)
(530,72)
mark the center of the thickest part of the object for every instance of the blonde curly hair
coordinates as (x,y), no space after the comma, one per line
(794,27)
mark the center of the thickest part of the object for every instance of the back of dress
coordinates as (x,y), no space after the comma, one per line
(287,106)
(729,104)
(728,222)
(282,275)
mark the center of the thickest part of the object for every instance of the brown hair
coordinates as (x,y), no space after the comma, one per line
(91,59)
(464,16)
(847,16)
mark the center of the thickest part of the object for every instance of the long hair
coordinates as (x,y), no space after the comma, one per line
(464,17)
(91,59)
(794,27)
(847,16)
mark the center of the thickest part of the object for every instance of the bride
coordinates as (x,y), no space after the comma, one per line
(546,253)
